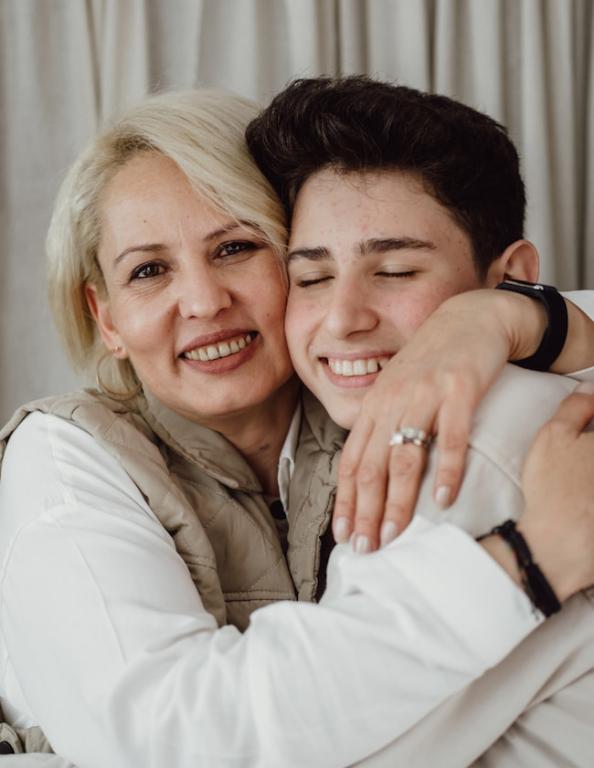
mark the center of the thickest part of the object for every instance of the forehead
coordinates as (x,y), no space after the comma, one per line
(149,191)
(379,203)
(142,177)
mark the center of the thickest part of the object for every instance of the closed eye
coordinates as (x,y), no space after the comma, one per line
(408,273)
(305,282)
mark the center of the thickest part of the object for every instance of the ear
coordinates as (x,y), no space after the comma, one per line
(519,261)
(98,303)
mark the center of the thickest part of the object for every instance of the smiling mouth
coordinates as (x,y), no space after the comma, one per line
(226,348)
(364,366)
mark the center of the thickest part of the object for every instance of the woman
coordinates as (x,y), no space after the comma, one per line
(147,533)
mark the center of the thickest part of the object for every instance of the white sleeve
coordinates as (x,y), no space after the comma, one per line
(104,641)
(584,300)
(560,651)
(36,760)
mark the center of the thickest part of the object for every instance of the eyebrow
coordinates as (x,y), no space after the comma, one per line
(233,225)
(382,245)
(312,254)
(144,248)
(365,247)
(158,247)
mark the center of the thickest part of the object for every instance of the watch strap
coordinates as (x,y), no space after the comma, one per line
(555,334)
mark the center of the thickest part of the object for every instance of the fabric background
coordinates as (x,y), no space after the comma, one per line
(68,65)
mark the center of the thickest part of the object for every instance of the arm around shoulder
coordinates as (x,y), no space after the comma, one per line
(109,649)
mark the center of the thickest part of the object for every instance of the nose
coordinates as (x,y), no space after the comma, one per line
(350,308)
(203,292)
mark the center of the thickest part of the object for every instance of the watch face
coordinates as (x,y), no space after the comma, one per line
(523,285)
(528,289)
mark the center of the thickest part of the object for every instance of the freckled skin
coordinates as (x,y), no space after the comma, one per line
(359,307)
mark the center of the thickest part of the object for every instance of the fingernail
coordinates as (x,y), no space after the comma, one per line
(388,532)
(585,388)
(442,496)
(341,529)
(361,544)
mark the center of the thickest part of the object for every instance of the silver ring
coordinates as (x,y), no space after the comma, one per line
(412,435)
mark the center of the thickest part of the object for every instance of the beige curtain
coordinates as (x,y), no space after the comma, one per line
(67,65)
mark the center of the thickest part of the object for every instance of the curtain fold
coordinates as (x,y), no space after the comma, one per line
(123,53)
(391,39)
(68,65)
(49,109)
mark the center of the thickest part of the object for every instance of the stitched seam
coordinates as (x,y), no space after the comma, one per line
(493,462)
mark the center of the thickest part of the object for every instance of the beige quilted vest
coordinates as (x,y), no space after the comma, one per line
(211,503)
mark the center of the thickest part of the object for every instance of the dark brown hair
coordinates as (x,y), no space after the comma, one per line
(464,158)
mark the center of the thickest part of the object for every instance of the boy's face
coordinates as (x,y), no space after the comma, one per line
(370,257)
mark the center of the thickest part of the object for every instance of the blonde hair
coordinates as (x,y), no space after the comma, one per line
(202,131)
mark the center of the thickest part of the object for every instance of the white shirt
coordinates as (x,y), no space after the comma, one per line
(286,461)
(105,643)
(585,301)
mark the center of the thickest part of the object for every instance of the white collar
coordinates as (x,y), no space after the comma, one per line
(286,461)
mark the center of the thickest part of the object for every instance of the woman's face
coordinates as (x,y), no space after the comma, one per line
(195,300)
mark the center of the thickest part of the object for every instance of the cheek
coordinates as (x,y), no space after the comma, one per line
(408,312)
(300,322)
(267,309)
(142,327)
(274,308)
(265,290)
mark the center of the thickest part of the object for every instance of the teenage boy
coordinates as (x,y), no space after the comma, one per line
(399,200)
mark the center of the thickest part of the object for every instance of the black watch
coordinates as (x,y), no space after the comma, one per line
(555,335)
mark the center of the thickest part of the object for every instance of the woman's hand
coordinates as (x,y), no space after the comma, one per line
(434,383)
(558,485)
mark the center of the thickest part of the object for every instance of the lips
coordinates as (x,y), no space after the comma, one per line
(221,357)
(355,364)
(354,370)
(362,366)
(217,349)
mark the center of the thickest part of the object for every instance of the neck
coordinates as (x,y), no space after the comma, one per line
(259,434)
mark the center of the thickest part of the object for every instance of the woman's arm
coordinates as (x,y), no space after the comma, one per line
(106,645)
(436,383)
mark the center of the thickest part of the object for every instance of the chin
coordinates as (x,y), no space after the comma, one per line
(343,415)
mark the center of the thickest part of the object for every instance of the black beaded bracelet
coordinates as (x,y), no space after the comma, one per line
(534,581)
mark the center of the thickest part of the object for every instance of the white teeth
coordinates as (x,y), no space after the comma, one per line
(222,349)
(361,367)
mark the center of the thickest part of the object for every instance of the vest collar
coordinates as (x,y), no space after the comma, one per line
(329,436)
(204,447)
